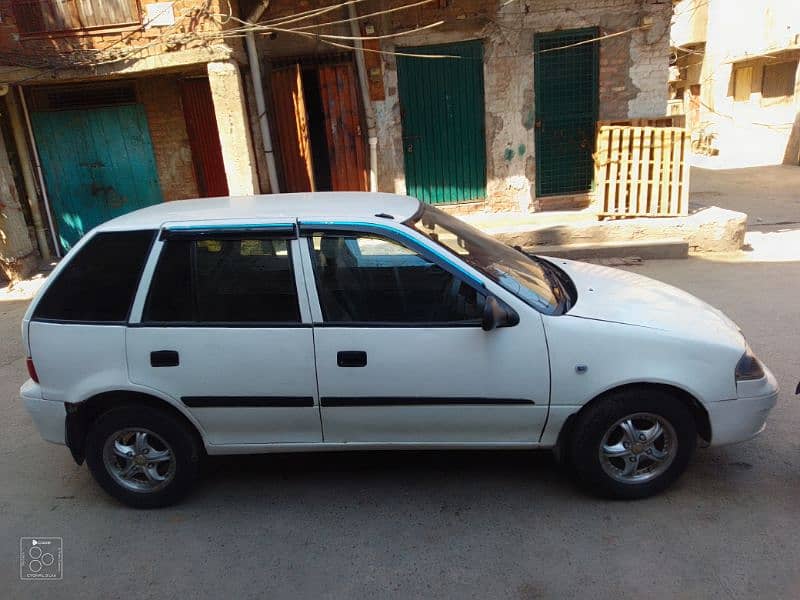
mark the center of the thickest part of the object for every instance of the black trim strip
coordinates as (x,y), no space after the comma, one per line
(473,323)
(222,324)
(70,322)
(414,401)
(247,401)
(265,232)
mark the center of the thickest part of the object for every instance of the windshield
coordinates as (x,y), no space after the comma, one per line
(533,280)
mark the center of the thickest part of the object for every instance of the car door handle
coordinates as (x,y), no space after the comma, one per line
(351,358)
(164,358)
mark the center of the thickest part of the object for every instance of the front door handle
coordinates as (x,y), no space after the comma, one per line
(351,358)
(164,358)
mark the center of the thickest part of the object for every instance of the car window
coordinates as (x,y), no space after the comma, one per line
(98,284)
(371,279)
(223,281)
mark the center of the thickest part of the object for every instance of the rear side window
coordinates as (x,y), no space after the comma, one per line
(99,282)
(223,281)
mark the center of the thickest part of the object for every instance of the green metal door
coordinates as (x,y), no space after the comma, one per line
(566,96)
(442,112)
(98,164)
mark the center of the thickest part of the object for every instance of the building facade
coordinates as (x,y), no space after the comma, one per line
(736,76)
(122,104)
(468,104)
(508,124)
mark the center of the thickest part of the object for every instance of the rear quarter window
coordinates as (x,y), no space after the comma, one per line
(99,282)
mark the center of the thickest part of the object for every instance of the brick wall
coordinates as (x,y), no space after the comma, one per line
(162,101)
(131,41)
(633,74)
(633,79)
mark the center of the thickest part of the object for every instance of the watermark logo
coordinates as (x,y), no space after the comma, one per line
(41,558)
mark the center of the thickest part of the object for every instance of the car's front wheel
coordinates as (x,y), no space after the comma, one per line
(633,443)
(144,457)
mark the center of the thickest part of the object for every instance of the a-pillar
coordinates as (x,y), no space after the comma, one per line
(228,96)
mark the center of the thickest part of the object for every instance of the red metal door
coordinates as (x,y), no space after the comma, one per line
(346,146)
(201,125)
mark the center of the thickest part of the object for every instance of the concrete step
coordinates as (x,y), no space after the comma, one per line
(647,250)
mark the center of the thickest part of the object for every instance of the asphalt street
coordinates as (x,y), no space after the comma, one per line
(433,525)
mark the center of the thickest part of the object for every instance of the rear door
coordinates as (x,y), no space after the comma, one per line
(225,329)
(401,355)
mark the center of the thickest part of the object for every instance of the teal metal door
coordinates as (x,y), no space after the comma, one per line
(566,97)
(98,164)
(442,113)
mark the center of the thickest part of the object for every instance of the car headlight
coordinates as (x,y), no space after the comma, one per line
(749,367)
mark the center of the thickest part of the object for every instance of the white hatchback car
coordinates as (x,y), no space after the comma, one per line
(338,321)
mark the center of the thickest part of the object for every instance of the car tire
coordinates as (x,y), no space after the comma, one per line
(143,457)
(632,443)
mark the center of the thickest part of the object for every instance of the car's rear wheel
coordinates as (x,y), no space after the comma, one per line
(144,457)
(633,443)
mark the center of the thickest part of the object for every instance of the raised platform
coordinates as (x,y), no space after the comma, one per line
(582,234)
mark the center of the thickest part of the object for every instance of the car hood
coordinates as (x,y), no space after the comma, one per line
(619,296)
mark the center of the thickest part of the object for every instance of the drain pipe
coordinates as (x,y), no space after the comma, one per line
(40,175)
(369,110)
(261,104)
(18,133)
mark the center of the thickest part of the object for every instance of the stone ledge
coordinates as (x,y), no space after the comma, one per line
(713,229)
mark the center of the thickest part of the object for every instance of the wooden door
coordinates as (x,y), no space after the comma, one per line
(201,126)
(346,148)
(98,164)
(291,122)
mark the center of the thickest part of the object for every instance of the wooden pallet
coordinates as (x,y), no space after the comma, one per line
(642,171)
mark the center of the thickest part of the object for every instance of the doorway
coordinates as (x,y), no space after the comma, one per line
(442,113)
(567,97)
(96,153)
(201,127)
(318,128)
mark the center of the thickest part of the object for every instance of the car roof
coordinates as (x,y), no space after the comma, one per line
(334,206)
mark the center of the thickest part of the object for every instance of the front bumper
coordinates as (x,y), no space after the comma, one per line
(48,416)
(745,417)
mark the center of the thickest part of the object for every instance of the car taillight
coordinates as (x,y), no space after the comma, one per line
(31,369)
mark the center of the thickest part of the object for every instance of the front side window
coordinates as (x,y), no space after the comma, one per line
(536,282)
(365,278)
(98,284)
(223,281)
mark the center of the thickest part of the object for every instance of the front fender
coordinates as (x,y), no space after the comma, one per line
(589,357)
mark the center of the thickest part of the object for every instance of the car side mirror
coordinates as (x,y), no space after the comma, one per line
(497,313)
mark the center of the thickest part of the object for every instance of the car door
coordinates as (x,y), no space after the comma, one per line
(401,354)
(224,329)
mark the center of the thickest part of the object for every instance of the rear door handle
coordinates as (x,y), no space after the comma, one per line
(351,358)
(164,358)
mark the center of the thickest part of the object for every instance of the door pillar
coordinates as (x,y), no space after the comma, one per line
(230,109)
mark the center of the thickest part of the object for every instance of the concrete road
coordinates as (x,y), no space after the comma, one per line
(446,525)
(769,195)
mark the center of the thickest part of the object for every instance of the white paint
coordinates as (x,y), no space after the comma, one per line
(625,328)
(160,14)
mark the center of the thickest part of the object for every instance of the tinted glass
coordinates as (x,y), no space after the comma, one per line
(223,281)
(363,278)
(100,281)
(528,279)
